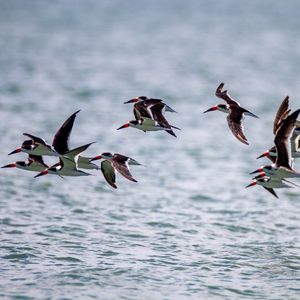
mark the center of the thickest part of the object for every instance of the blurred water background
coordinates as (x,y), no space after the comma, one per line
(188,229)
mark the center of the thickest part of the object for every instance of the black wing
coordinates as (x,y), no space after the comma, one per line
(282,140)
(281,114)
(140,110)
(36,139)
(271,191)
(119,162)
(61,138)
(235,123)
(37,158)
(225,96)
(158,116)
(109,173)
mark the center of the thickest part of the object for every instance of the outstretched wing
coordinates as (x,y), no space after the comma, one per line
(140,111)
(281,140)
(120,163)
(158,116)
(270,190)
(61,138)
(235,123)
(109,173)
(281,114)
(37,158)
(224,95)
(36,139)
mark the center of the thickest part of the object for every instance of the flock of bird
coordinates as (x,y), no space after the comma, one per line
(149,116)
(286,130)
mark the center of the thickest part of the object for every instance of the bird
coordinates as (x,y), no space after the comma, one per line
(282,168)
(235,113)
(34,163)
(67,165)
(150,118)
(269,183)
(282,112)
(150,101)
(35,146)
(116,162)
(61,143)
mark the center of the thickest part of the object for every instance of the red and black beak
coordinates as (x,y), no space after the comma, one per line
(263,155)
(45,172)
(251,184)
(132,100)
(96,158)
(123,126)
(211,109)
(15,151)
(261,175)
(12,165)
(256,171)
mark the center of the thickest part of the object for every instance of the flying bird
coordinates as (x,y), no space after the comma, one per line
(68,164)
(116,162)
(282,168)
(149,116)
(235,113)
(35,146)
(34,163)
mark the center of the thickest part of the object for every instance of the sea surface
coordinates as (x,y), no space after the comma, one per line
(188,229)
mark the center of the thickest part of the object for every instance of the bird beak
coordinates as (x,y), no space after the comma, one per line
(9,166)
(261,175)
(15,151)
(45,172)
(251,184)
(96,158)
(124,126)
(211,109)
(263,155)
(131,100)
(256,171)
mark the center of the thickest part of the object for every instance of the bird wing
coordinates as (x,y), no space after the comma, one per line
(235,123)
(61,138)
(224,95)
(272,191)
(109,173)
(37,158)
(158,116)
(70,158)
(120,163)
(36,139)
(140,111)
(282,140)
(281,114)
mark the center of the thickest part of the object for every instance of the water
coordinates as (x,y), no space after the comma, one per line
(188,229)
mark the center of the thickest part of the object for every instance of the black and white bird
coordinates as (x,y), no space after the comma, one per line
(149,117)
(36,146)
(61,143)
(235,112)
(281,169)
(68,164)
(116,162)
(269,183)
(34,163)
(282,112)
(59,147)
